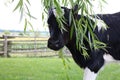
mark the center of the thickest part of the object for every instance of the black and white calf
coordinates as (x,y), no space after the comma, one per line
(97,59)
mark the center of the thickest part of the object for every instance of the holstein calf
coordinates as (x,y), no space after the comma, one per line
(98,58)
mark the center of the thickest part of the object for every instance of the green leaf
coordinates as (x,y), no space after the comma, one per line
(25,25)
(28,2)
(58,9)
(70,18)
(85,54)
(31,25)
(19,5)
(71,3)
(21,14)
(28,11)
(42,16)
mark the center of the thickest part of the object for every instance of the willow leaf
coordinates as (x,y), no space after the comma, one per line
(28,2)
(19,5)
(31,25)
(25,25)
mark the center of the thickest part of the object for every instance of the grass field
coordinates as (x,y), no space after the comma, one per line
(48,69)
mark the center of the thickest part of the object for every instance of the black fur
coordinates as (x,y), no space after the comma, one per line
(111,37)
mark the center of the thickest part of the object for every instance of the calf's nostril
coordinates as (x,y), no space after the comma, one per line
(57,45)
(51,41)
(57,42)
(53,44)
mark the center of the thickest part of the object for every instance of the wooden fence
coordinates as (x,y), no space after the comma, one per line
(12,44)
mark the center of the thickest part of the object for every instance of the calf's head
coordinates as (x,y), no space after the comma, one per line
(58,38)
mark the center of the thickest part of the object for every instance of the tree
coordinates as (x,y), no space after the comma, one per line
(6,32)
(83,6)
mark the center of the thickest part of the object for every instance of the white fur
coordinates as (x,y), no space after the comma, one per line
(89,75)
(109,58)
(100,23)
(56,14)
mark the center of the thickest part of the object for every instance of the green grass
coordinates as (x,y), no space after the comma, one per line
(48,69)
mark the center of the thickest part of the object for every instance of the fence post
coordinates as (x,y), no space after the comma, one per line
(5,46)
(9,46)
(35,46)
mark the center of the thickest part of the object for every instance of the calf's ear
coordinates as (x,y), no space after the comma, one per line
(50,11)
(75,10)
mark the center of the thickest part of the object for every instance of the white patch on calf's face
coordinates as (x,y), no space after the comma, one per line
(56,14)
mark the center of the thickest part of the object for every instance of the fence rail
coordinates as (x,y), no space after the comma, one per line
(12,44)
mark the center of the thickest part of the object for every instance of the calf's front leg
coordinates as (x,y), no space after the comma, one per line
(89,75)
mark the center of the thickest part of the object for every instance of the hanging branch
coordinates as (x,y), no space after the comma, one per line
(23,7)
(85,8)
